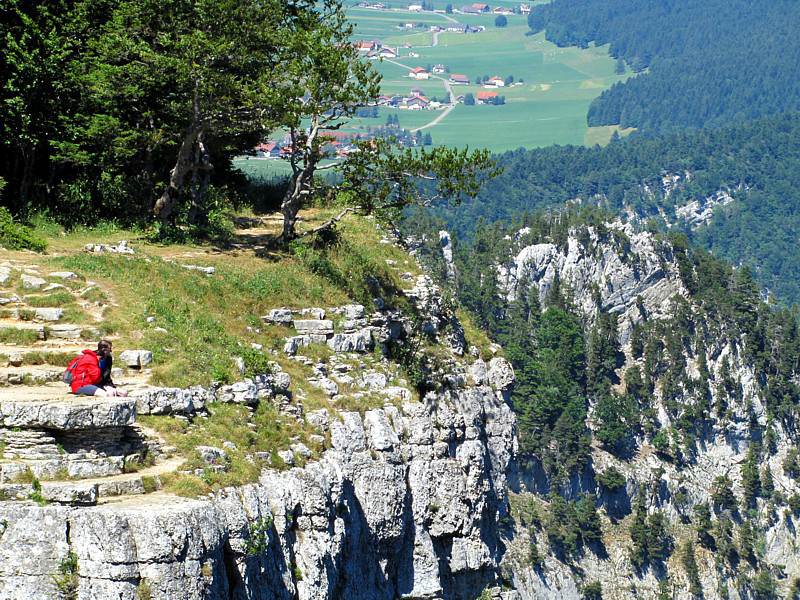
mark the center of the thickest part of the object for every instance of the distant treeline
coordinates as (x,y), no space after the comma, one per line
(758,162)
(709,62)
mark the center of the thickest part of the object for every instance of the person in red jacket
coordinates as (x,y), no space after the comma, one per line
(91,375)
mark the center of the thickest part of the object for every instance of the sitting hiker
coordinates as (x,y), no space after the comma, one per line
(91,374)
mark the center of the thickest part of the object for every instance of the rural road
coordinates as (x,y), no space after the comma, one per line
(447,87)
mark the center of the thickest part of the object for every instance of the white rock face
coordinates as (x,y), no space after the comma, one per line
(77,413)
(601,273)
(386,513)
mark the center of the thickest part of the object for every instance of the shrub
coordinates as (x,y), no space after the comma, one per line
(593,591)
(611,479)
(18,237)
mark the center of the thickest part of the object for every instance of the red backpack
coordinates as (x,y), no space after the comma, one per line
(68,375)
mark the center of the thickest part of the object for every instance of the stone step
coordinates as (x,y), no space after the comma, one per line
(51,408)
(62,467)
(52,332)
(59,492)
(35,315)
(30,375)
(71,346)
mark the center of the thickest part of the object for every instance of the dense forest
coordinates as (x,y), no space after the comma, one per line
(758,162)
(702,63)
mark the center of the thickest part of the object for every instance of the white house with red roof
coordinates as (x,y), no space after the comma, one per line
(419,73)
(486,97)
(417,103)
(459,78)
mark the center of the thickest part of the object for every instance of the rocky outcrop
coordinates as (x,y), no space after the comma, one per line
(636,275)
(405,504)
(617,270)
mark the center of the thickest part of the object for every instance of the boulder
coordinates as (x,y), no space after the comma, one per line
(354,311)
(49,314)
(31,282)
(313,313)
(501,373)
(313,326)
(360,341)
(278,316)
(136,359)
(212,455)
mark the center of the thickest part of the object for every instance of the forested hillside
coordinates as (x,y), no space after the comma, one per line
(706,63)
(651,383)
(756,163)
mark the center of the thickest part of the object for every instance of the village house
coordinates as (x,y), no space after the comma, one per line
(469,10)
(439,69)
(419,73)
(457,27)
(387,52)
(502,10)
(459,78)
(415,7)
(481,7)
(524,9)
(486,97)
(495,81)
(417,103)
(268,149)
(417,92)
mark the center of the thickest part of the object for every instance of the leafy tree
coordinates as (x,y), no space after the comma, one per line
(501,21)
(751,481)
(721,493)
(469,99)
(764,586)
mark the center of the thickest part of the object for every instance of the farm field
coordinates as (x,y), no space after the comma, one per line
(548,108)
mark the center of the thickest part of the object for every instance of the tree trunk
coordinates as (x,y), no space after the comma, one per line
(28,155)
(165,205)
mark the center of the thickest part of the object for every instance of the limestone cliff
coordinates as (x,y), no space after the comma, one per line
(637,277)
(404,503)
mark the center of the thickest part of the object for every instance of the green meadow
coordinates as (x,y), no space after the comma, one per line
(548,108)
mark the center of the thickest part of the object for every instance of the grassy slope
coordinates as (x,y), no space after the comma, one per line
(209,320)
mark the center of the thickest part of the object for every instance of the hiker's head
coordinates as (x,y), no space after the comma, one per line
(104,348)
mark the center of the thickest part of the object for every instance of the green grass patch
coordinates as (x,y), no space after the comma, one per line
(21,337)
(73,314)
(15,236)
(58,359)
(228,423)
(54,300)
